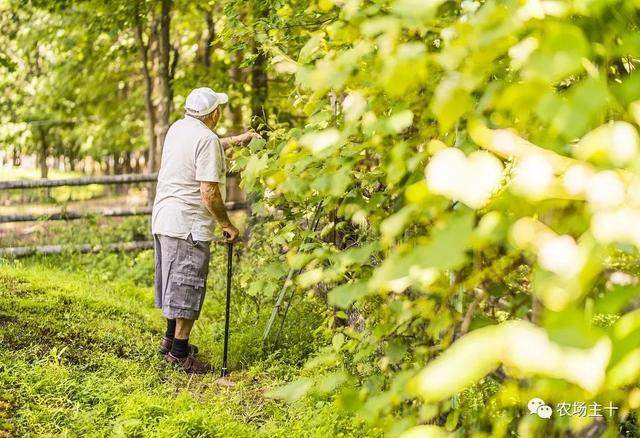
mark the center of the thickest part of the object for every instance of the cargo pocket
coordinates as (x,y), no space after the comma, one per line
(186,292)
(193,259)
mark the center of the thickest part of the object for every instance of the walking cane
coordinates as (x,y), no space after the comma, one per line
(227,315)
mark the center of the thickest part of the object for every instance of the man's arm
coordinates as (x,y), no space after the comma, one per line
(239,139)
(212,199)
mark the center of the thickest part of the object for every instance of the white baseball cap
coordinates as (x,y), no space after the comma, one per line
(203,101)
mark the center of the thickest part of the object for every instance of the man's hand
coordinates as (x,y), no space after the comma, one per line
(251,135)
(212,199)
(239,139)
(230,232)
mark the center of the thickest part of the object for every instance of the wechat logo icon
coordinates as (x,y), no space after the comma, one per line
(536,406)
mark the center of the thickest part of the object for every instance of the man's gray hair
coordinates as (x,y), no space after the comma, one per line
(203,118)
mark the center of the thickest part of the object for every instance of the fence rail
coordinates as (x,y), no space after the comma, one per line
(73,215)
(26,251)
(80,181)
(129,178)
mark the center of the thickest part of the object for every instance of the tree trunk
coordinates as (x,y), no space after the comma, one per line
(44,152)
(116,163)
(128,168)
(206,42)
(16,156)
(259,88)
(235,108)
(137,166)
(164,79)
(148,94)
(259,80)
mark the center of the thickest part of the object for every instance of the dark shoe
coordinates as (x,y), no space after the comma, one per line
(167,343)
(189,364)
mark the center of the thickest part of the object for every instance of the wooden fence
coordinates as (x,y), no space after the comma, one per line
(83,181)
(112,212)
(25,251)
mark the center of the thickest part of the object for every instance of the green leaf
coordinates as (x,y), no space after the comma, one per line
(450,101)
(355,255)
(425,431)
(424,9)
(396,350)
(571,327)
(396,223)
(614,300)
(629,89)
(311,47)
(255,166)
(342,296)
(562,48)
(445,251)
(256,144)
(523,348)
(328,383)
(624,366)
(575,112)
(291,392)
(401,120)
(612,144)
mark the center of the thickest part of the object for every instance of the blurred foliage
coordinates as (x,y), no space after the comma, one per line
(475,168)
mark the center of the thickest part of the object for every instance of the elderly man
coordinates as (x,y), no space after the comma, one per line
(189,195)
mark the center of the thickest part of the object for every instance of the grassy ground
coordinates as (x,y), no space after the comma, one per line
(93,230)
(79,335)
(78,358)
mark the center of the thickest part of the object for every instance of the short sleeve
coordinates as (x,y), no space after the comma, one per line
(210,160)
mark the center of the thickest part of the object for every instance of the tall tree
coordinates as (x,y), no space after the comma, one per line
(143,49)
(259,79)
(164,74)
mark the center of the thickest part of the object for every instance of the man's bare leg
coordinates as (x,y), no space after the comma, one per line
(183,328)
(180,347)
(181,351)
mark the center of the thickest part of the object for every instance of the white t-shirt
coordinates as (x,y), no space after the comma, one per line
(191,153)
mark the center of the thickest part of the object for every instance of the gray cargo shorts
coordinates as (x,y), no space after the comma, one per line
(182,266)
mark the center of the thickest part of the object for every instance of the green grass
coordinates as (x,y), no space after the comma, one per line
(78,357)
(93,230)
